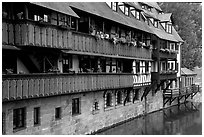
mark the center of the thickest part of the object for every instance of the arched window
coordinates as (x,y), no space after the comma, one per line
(119,97)
(108,100)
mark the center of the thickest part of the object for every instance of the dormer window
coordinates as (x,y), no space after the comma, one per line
(152,20)
(112,5)
(169,28)
(127,11)
(143,6)
(149,8)
(156,23)
(138,15)
(122,8)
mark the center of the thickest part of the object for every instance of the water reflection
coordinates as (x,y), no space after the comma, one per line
(185,119)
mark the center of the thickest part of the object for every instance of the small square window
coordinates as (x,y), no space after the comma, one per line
(58,113)
(19,118)
(75,106)
(36,116)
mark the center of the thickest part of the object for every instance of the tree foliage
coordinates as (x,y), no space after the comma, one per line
(187,19)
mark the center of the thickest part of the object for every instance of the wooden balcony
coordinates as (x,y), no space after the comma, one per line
(41,34)
(163,76)
(15,87)
(163,55)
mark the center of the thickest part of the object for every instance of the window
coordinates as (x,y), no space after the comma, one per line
(133,12)
(128,98)
(119,97)
(169,28)
(122,8)
(96,105)
(136,94)
(75,106)
(146,66)
(19,118)
(36,116)
(67,63)
(58,113)
(108,100)
(149,9)
(138,15)
(138,67)
(114,6)
(172,46)
(156,23)
(152,20)
(127,11)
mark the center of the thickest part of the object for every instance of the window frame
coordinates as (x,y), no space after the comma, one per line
(36,116)
(19,117)
(76,106)
(119,99)
(58,113)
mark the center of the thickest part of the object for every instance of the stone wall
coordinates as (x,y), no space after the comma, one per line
(84,123)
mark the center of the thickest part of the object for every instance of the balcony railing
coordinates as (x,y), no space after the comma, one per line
(164,54)
(16,87)
(31,33)
(164,75)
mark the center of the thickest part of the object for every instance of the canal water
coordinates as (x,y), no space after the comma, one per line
(185,119)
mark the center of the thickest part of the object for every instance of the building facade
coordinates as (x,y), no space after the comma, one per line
(75,68)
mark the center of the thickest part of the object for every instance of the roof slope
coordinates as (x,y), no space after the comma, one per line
(165,17)
(153,4)
(101,9)
(185,71)
(57,6)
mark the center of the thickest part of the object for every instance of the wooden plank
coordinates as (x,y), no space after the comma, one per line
(46,91)
(30,88)
(49,37)
(68,85)
(42,87)
(36,87)
(64,85)
(84,43)
(24,34)
(54,38)
(5,88)
(60,39)
(56,86)
(65,40)
(37,36)
(12,90)
(59,85)
(51,87)
(17,34)
(25,88)
(4,33)
(30,34)
(11,34)
(70,42)
(43,36)
(19,89)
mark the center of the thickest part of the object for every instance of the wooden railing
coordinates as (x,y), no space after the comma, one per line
(163,76)
(41,34)
(16,87)
(159,54)
(30,33)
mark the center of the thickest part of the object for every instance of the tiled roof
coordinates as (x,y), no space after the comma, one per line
(101,9)
(153,4)
(165,17)
(163,35)
(133,4)
(57,6)
(185,71)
